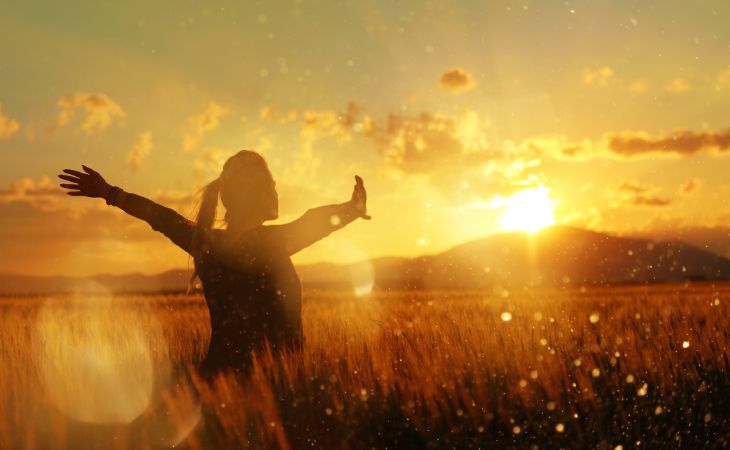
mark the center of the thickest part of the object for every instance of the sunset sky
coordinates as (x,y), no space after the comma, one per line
(608,115)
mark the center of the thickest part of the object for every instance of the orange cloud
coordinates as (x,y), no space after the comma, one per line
(638,86)
(141,148)
(678,143)
(269,114)
(200,124)
(451,152)
(636,194)
(627,144)
(690,186)
(723,78)
(601,76)
(678,86)
(43,194)
(99,110)
(8,126)
(457,80)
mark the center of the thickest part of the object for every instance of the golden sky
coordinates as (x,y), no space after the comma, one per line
(614,115)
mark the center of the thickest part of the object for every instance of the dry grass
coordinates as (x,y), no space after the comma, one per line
(393,370)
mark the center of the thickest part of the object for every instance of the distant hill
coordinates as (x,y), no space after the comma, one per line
(566,255)
(555,256)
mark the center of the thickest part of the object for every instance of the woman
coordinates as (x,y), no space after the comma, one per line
(250,285)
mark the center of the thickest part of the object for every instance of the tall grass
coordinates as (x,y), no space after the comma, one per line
(577,368)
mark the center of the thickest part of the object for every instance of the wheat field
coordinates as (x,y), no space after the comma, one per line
(607,368)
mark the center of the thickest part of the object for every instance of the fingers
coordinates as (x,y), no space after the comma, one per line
(89,170)
(69,178)
(358,181)
(75,173)
(70,186)
(74,193)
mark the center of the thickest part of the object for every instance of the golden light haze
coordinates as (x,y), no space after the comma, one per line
(607,116)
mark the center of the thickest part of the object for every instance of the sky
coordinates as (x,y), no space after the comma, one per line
(464,118)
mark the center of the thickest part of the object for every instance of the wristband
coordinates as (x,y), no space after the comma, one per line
(111,196)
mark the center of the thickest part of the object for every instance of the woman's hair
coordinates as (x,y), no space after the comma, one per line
(242,166)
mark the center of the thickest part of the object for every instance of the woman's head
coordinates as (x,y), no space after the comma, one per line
(247,188)
(247,191)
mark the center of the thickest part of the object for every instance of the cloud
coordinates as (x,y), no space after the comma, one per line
(200,124)
(635,194)
(269,114)
(32,242)
(43,194)
(41,208)
(600,77)
(99,110)
(139,151)
(457,80)
(452,152)
(560,147)
(210,161)
(322,124)
(638,86)
(628,144)
(8,126)
(689,187)
(319,125)
(723,78)
(678,86)
(677,143)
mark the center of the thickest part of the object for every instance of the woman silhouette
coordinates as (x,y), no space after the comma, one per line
(251,288)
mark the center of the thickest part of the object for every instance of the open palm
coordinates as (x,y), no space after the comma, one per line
(87,184)
(360,197)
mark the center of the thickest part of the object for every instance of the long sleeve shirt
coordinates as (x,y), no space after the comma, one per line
(251,288)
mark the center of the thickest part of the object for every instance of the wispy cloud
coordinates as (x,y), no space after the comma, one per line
(99,110)
(678,143)
(678,86)
(690,186)
(8,126)
(200,124)
(635,194)
(140,150)
(43,194)
(723,78)
(638,86)
(630,144)
(600,76)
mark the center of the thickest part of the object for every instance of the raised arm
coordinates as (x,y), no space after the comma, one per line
(317,223)
(165,220)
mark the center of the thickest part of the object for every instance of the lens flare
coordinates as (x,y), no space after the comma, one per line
(94,357)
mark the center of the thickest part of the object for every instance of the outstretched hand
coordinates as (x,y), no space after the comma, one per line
(359,198)
(87,184)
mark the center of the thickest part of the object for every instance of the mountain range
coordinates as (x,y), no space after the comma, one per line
(554,256)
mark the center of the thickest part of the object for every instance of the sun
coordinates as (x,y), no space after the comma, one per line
(529,210)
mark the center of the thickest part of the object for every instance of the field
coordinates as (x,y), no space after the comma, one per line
(607,368)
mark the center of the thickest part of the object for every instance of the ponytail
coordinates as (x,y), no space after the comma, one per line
(203,222)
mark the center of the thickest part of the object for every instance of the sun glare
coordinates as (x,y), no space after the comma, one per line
(529,210)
